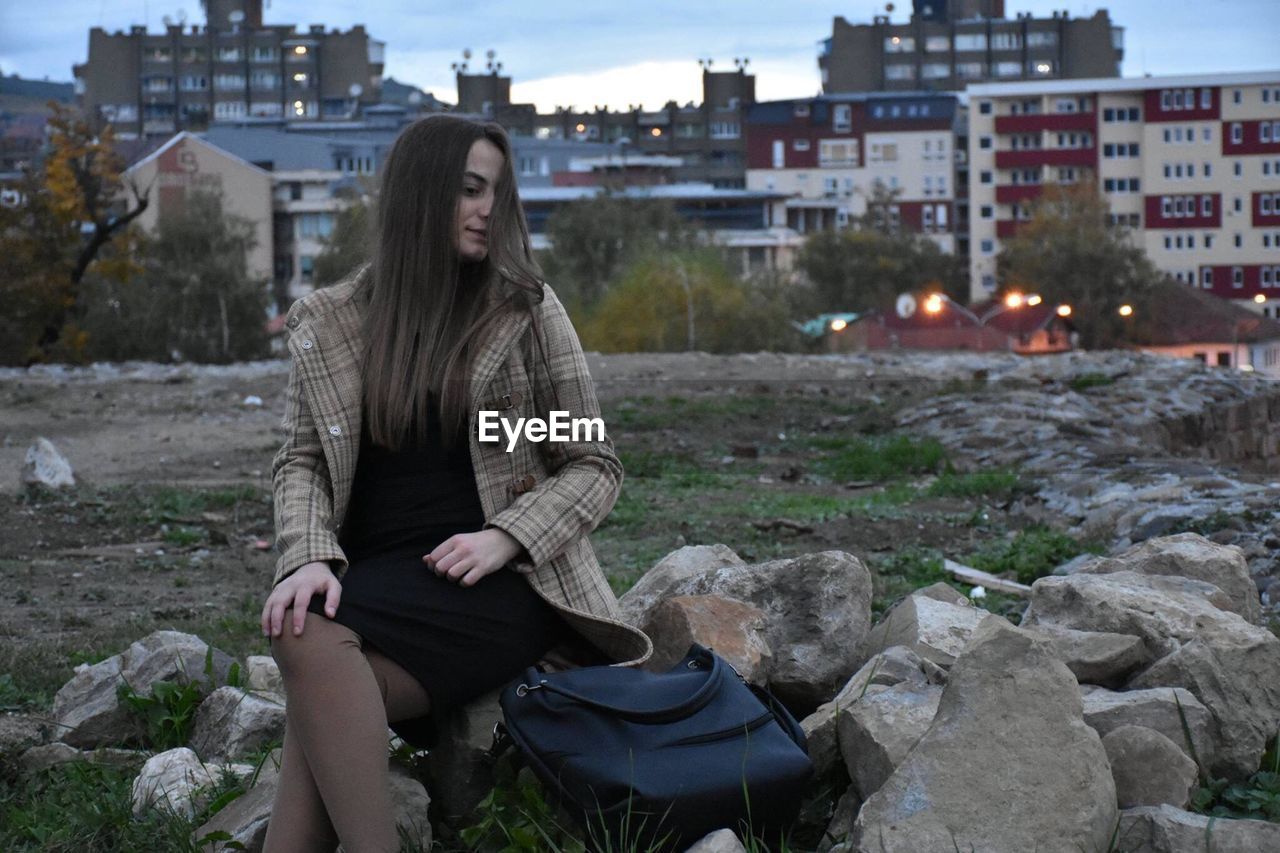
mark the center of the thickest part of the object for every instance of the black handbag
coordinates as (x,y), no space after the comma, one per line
(658,760)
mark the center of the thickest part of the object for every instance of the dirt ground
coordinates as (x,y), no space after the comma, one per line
(171,527)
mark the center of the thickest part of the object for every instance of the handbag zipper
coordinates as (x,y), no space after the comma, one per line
(748,726)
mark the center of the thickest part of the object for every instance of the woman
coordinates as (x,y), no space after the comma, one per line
(419,567)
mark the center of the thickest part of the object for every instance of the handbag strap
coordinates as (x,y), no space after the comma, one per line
(701,697)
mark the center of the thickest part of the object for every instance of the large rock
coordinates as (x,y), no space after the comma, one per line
(818,608)
(87,709)
(1190,555)
(246,817)
(178,782)
(671,571)
(1149,769)
(1007,764)
(733,629)
(45,466)
(720,841)
(44,756)
(836,838)
(1163,709)
(262,674)
(935,628)
(1165,829)
(231,723)
(1240,685)
(877,733)
(1096,657)
(460,769)
(894,665)
(1229,664)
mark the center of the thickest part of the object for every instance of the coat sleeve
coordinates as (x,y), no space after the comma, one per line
(584,477)
(302,491)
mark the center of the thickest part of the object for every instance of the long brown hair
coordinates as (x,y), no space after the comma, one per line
(427,310)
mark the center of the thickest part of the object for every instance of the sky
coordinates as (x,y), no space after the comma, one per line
(585,54)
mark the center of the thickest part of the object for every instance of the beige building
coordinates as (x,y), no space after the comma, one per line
(1190,163)
(187,162)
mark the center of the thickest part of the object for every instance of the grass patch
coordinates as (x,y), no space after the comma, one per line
(1085,381)
(1256,798)
(1001,483)
(877,459)
(1031,554)
(900,573)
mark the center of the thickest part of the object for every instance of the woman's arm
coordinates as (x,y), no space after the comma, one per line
(585,476)
(303,492)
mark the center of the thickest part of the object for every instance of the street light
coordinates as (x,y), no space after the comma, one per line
(1064,310)
(934,302)
(1126,310)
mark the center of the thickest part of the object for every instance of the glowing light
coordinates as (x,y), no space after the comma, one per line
(581,128)
(1034,299)
(299,108)
(300,77)
(838,324)
(1064,310)
(1126,310)
(1260,298)
(657,131)
(1043,67)
(933,303)
(1013,300)
(300,50)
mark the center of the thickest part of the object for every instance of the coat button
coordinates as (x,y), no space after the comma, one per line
(527,482)
(307,344)
(293,322)
(335,430)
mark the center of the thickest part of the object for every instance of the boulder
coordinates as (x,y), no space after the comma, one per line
(231,723)
(178,781)
(818,609)
(675,568)
(734,630)
(720,841)
(836,839)
(42,757)
(87,709)
(1149,769)
(246,817)
(878,732)
(262,673)
(1240,685)
(1190,555)
(45,466)
(894,665)
(1096,657)
(1229,664)
(1007,762)
(460,770)
(1161,709)
(935,628)
(1165,829)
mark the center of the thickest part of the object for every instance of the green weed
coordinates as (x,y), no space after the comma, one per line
(1256,798)
(1085,381)
(168,711)
(1031,554)
(1001,483)
(877,459)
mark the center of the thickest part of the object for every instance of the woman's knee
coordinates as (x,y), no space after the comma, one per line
(319,641)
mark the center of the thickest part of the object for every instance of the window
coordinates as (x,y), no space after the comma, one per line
(1208,241)
(838,152)
(1206,277)
(1108,114)
(984,142)
(1177,170)
(265,54)
(899,44)
(1206,205)
(1133,185)
(725,130)
(1042,39)
(1208,169)
(1168,242)
(1238,240)
(1264,204)
(1237,133)
(935,70)
(842,118)
(800,144)
(306,267)
(1236,169)
(1108,150)
(1235,96)
(1179,207)
(229,54)
(801,110)
(970,70)
(984,177)
(1208,134)
(1008,69)
(900,72)
(1006,41)
(1206,99)
(1237,205)
(984,107)
(937,44)
(1237,277)
(195,83)
(1166,207)
(1264,132)
(830,186)
(986,211)
(971,41)
(1133,114)
(988,246)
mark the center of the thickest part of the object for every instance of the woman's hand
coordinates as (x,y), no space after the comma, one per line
(467,557)
(295,591)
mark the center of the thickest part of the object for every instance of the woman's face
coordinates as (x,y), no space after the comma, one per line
(471,235)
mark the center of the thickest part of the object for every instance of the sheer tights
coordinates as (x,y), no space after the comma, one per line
(334,773)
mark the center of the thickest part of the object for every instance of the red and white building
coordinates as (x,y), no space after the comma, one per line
(1190,163)
(826,155)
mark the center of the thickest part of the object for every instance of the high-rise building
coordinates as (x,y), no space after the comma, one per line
(948,44)
(233,69)
(1190,163)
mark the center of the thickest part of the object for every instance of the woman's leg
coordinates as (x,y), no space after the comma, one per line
(335,708)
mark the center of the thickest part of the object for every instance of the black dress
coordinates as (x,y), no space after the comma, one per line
(458,642)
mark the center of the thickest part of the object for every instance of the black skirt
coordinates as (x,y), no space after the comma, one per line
(458,642)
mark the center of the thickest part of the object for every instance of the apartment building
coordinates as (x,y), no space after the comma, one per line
(948,44)
(233,69)
(1190,163)
(706,137)
(827,154)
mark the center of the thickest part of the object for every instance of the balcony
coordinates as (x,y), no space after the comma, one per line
(1046,121)
(1018,193)
(1046,157)
(1006,228)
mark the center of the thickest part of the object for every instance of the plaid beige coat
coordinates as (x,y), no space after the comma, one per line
(546,495)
